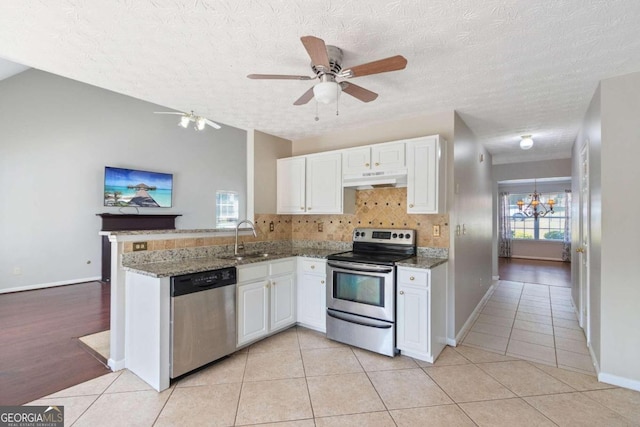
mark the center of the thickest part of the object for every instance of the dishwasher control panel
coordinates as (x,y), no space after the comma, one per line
(196,282)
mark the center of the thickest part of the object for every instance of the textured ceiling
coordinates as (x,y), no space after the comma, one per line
(508,67)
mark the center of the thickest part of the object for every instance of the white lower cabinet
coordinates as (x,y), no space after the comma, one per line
(312,293)
(265,298)
(421,312)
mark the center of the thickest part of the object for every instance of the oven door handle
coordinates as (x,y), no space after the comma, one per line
(358,267)
(347,318)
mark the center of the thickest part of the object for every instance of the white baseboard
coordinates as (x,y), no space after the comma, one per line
(50,285)
(472,318)
(594,360)
(619,381)
(540,258)
(495,277)
(116,365)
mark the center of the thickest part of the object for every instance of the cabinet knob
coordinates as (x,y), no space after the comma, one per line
(313,266)
(266,286)
(301,208)
(401,292)
(366,164)
(411,205)
(412,278)
(377,164)
(309,208)
(322,282)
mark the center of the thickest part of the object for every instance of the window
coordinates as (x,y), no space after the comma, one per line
(227,206)
(549,227)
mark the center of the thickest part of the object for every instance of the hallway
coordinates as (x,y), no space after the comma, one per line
(531,320)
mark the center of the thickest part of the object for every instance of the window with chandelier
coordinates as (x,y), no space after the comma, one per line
(538,216)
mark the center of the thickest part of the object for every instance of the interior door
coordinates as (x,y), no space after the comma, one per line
(583,249)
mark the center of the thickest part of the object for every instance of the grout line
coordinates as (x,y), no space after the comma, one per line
(246,361)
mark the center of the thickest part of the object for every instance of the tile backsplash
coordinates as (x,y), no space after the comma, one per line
(382,207)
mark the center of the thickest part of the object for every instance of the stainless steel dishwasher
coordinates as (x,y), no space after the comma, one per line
(203,318)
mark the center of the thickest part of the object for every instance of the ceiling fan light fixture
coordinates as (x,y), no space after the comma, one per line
(200,123)
(184,121)
(327,92)
(526,142)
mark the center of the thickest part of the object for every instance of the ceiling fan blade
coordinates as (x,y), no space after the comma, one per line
(306,97)
(279,77)
(212,124)
(358,92)
(317,50)
(168,112)
(393,63)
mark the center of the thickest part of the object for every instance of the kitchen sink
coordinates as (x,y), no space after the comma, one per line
(246,256)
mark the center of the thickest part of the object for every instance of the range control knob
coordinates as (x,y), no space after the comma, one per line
(407,236)
(401,236)
(362,234)
(357,234)
(394,235)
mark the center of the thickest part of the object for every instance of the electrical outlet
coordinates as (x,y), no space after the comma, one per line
(436,231)
(320,227)
(139,246)
(271,226)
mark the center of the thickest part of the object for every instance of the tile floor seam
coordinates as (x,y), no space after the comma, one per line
(155,420)
(539,411)
(244,370)
(99,395)
(304,371)
(585,393)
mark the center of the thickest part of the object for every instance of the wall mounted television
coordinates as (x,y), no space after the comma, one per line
(136,188)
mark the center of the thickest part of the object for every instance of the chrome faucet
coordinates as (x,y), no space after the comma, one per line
(253,228)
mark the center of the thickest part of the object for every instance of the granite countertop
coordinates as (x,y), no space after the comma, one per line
(196,265)
(422,262)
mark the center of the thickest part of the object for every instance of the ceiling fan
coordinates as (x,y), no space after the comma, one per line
(200,122)
(326,63)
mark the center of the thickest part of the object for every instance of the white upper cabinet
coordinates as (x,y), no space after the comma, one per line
(373,157)
(324,184)
(310,184)
(426,176)
(291,184)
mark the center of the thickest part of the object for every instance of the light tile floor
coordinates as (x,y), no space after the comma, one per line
(533,322)
(299,378)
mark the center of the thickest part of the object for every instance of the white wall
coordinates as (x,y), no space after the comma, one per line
(56,137)
(620,175)
(472,211)
(267,149)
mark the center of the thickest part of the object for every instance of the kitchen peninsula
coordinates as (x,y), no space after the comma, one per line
(141,284)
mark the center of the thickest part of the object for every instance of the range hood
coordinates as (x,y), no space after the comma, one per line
(375,179)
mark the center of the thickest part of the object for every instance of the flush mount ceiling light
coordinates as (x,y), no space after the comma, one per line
(187,118)
(526,142)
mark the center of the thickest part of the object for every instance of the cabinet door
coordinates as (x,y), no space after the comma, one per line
(282,302)
(253,311)
(422,176)
(356,160)
(291,185)
(388,156)
(312,301)
(324,184)
(413,319)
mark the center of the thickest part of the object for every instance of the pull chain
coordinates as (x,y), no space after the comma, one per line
(317,118)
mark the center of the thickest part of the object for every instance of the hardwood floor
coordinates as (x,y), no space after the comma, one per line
(552,273)
(39,350)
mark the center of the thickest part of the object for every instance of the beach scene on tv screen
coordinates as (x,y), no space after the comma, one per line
(134,188)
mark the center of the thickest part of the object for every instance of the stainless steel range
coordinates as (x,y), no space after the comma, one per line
(361,309)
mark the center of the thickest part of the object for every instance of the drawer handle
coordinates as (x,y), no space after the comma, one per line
(401,292)
(322,282)
(313,266)
(366,164)
(412,278)
(411,205)
(377,164)
(301,208)
(309,208)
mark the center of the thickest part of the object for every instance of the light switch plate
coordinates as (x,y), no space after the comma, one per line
(436,231)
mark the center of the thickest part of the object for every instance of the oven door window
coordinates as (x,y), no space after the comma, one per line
(359,288)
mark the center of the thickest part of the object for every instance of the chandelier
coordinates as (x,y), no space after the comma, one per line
(535,208)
